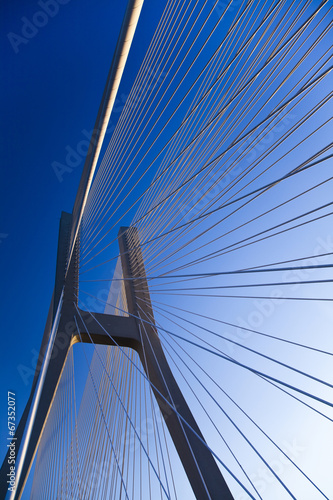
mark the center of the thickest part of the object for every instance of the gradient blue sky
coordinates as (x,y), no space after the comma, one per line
(51,89)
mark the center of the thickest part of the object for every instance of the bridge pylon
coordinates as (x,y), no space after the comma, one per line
(137,331)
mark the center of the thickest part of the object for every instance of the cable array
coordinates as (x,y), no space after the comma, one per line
(221,159)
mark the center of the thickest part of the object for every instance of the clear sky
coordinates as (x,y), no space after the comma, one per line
(51,90)
(52,81)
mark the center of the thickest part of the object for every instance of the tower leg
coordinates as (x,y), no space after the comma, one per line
(202,471)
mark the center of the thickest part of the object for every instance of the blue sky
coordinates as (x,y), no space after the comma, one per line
(51,90)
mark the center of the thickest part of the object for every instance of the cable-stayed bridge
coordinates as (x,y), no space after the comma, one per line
(187,351)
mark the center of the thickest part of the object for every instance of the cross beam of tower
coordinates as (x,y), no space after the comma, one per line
(202,471)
